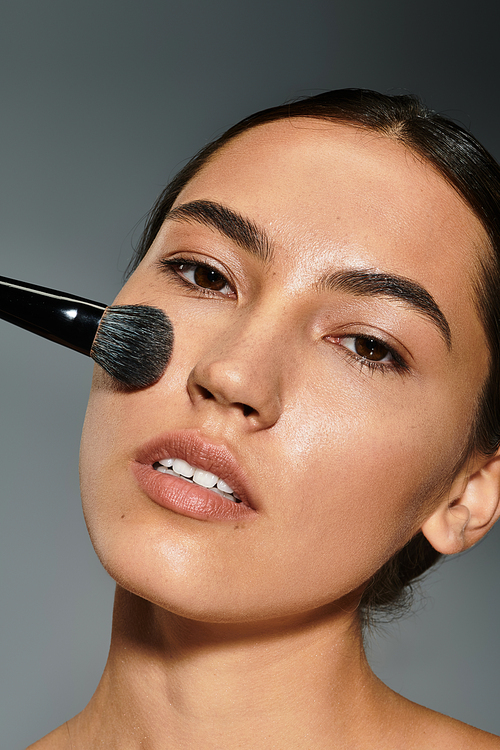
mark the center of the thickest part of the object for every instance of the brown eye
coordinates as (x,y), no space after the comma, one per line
(372,353)
(209,278)
(370,349)
(198,276)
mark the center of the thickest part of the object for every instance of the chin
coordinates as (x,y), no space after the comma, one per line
(191,581)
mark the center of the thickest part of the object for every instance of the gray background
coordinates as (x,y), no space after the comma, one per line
(101,102)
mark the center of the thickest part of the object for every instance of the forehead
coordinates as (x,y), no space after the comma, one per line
(333,193)
(344,187)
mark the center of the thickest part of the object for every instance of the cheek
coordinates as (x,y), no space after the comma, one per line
(346,480)
(103,458)
(113,512)
(366,478)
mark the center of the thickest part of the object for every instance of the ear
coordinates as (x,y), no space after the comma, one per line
(470,510)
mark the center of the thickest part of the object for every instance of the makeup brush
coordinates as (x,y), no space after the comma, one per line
(133,343)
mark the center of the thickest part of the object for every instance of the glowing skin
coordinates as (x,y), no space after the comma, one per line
(340,462)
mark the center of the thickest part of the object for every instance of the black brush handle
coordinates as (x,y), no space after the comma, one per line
(63,318)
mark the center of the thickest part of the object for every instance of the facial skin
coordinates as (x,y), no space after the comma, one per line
(342,462)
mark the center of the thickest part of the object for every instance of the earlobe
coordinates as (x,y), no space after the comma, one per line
(469,512)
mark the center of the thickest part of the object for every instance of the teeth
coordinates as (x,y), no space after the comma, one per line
(179,467)
(205,478)
(223,487)
(183,468)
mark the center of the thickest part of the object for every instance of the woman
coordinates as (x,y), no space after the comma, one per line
(327,428)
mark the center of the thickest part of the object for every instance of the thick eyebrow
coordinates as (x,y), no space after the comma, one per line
(369,283)
(359,282)
(233,225)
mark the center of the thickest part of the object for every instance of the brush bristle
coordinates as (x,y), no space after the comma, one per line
(133,344)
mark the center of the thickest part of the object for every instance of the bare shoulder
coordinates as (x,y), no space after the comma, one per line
(440,732)
(56,740)
(455,734)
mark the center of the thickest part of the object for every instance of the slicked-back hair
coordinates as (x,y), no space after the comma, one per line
(475,175)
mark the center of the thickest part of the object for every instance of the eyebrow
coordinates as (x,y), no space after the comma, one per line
(358,282)
(230,223)
(370,283)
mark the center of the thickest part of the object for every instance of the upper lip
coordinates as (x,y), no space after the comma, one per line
(200,453)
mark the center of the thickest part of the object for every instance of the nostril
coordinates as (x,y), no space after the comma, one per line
(205,393)
(247,410)
(225,384)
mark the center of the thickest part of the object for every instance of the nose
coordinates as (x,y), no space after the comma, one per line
(240,373)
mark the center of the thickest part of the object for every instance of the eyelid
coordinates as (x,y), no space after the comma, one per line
(172,263)
(397,364)
(386,335)
(354,339)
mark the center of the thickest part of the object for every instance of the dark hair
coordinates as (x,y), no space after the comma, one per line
(475,175)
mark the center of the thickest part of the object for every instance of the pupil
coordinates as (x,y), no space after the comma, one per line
(371,349)
(209,278)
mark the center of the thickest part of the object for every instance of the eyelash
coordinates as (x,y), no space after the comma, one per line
(177,267)
(396,364)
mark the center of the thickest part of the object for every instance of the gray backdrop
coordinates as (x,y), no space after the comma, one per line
(101,102)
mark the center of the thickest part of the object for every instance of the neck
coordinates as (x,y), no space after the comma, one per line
(269,684)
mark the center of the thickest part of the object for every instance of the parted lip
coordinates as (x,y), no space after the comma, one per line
(201,453)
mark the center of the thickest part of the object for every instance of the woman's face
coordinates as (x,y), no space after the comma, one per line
(326,364)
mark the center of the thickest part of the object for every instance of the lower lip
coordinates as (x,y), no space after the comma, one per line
(187,498)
